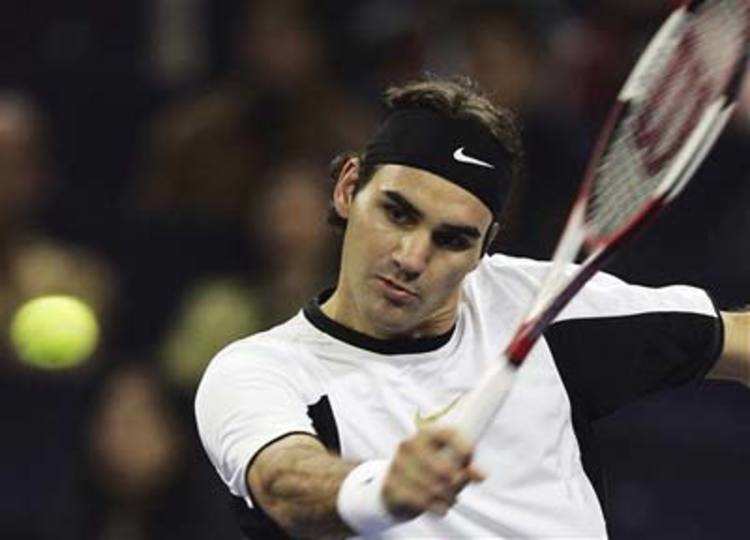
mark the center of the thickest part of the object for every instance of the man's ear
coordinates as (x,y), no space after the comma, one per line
(346,186)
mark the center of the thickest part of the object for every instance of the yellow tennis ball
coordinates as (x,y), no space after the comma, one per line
(54,332)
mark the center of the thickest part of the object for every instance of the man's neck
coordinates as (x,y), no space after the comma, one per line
(336,309)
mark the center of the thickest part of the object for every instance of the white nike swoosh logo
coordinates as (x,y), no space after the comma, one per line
(459,155)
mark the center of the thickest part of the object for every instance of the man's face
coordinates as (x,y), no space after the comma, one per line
(411,238)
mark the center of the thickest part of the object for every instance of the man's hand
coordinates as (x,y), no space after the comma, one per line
(427,473)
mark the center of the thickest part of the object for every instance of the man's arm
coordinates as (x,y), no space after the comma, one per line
(734,362)
(296,481)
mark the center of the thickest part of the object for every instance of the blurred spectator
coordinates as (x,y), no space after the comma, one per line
(288,224)
(213,312)
(296,242)
(139,465)
(178,42)
(301,107)
(23,163)
(201,157)
(504,52)
(207,152)
(208,157)
(135,444)
(278,45)
(386,40)
(185,217)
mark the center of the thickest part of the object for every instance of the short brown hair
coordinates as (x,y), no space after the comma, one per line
(457,97)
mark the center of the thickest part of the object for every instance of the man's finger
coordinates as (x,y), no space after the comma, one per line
(443,436)
(475,475)
(451,447)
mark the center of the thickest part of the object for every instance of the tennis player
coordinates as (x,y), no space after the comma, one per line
(323,427)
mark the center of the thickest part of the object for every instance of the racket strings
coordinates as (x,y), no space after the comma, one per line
(685,76)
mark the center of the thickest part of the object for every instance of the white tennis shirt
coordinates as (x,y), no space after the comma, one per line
(262,387)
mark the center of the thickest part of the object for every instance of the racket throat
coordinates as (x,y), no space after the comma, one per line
(525,339)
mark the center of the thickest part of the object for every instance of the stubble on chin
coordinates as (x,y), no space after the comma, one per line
(394,320)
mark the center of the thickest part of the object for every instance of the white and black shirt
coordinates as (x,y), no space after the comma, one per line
(361,396)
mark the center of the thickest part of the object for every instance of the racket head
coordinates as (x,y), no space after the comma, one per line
(668,114)
(690,72)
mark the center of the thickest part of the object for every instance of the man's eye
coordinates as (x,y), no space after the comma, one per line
(452,241)
(396,214)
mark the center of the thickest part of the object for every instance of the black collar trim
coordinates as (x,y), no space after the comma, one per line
(322,322)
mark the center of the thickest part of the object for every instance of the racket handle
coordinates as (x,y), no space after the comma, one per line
(476,410)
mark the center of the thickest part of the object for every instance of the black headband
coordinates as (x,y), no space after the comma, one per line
(457,149)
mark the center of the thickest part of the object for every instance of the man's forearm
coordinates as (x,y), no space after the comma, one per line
(297,485)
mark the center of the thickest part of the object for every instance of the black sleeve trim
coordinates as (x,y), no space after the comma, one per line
(720,331)
(324,424)
(611,361)
(257,453)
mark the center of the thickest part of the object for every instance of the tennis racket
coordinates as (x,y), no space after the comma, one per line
(667,116)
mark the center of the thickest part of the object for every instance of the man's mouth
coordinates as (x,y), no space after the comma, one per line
(395,291)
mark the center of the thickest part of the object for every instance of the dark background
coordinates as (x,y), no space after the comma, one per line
(166,161)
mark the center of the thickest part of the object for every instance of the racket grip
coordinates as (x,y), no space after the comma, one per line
(476,410)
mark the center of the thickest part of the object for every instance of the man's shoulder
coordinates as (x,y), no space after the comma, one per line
(603,295)
(272,359)
(509,272)
(532,272)
(512,263)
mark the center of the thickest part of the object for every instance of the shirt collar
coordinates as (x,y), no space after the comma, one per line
(395,346)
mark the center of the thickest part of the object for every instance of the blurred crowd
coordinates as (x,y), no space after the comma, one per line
(166,161)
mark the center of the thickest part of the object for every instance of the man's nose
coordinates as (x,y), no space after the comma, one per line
(413,254)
